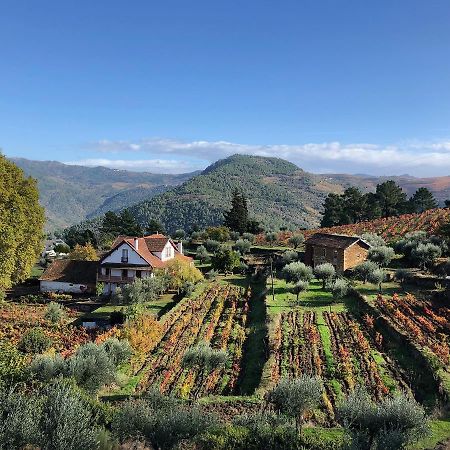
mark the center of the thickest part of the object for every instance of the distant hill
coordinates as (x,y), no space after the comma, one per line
(390,228)
(71,194)
(278,193)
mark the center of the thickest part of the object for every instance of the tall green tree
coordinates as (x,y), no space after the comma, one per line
(21,224)
(422,200)
(237,218)
(391,199)
(123,223)
(332,214)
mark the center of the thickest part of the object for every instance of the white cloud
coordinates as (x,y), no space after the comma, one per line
(140,165)
(415,158)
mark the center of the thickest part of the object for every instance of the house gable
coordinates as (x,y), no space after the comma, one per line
(115,256)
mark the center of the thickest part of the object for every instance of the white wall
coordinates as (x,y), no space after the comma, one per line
(55,286)
(133,257)
(163,256)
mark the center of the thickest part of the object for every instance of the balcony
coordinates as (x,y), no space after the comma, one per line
(114,279)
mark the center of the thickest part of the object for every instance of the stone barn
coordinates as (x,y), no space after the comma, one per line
(343,252)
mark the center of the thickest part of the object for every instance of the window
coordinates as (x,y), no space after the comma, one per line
(124,255)
(124,273)
(138,274)
(168,252)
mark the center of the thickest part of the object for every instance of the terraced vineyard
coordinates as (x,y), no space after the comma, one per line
(218,317)
(334,347)
(426,325)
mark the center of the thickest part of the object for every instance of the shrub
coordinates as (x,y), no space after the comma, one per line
(34,341)
(143,332)
(271,236)
(212,245)
(117,351)
(242,246)
(296,240)
(12,364)
(299,287)
(425,254)
(54,313)
(248,237)
(202,253)
(47,367)
(289,256)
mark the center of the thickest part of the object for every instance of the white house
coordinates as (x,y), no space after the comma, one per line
(136,257)
(69,276)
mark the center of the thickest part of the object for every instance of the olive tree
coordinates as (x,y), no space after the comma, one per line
(425,254)
(391,424)
(377,277)
(373,239)
(381,255)
(201,253)
(325,272)
(299,287)
(242,246)
(296,240)
(289,256)
(205,359)
(296,271)
(402,275)
(295,397)
(363,270)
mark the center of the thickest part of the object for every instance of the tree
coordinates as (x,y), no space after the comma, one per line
(422,200)
(236,218)
(299,287)
(225,260)
(201,253)
(392,424)
(271,237)
(289,256)
(425,254)
(296,240)
(325,272)
(296,396)
(332,214)
(212,245)
(248,237)
(297,271)
(154,226)
(219,234)
(74,236)
(377,277)
(84,253)
(66,419)
(381,255)
(339,289)
(373,239)
(391,198)
(242,246)
(21,224)
(402,275)
(182,272)
(12,364)
(61,248)
(179,234)
(353,205)
(363,270)
(205,359)
(55,312)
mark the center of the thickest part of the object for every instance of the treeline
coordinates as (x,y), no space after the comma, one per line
(389,199)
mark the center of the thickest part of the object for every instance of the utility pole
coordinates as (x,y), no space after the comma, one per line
(271,275)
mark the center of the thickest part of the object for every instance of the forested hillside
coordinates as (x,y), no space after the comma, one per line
(71,194)
(278,193)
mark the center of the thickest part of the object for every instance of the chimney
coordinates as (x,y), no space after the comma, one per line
(136,243)
(180,247)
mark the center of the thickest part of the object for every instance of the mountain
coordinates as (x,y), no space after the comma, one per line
(278,193)
(71,194)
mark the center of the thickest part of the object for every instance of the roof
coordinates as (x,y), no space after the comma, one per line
(148,246)
(71,271)
(335,240)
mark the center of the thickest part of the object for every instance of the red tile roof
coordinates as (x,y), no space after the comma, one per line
(71,271)
(147,246)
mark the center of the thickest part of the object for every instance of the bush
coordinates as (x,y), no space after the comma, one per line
(12,364)
(248,237)
(202,253)
(117,351)
(212,245)
(363,270)
(46,367)
(425,254)
(242,246)
(34,341)
(55,312)
(271,237)
(296,240)
(289,256)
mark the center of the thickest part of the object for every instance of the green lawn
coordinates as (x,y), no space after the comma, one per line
(314,299)
(36,271)
(370,291)
(157,307)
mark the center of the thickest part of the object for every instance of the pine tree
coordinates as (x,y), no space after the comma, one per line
(21,224)
(391,198)
(237,218)
(422,200)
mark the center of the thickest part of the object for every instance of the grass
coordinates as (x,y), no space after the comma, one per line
(36,271)
(439,432)
(254,350)
(158,307)
(314,299)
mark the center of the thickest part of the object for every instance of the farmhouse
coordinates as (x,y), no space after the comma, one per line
(69,276)
(136,257)
(344,252)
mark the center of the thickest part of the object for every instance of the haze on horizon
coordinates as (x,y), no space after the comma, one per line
(172,87)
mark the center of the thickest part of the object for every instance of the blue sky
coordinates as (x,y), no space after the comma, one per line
(334,86)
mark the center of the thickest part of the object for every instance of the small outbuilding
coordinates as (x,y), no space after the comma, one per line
(343,252)
(69,276)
